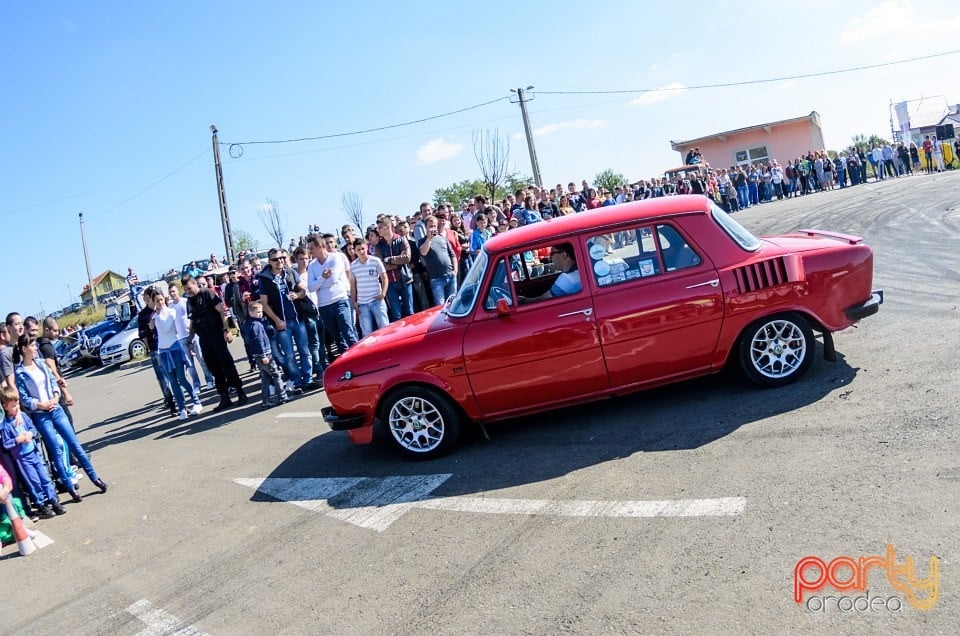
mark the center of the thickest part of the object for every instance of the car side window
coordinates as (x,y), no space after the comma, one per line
(638,253)
(677,253)
(549,271)
(499,287)
(622,256)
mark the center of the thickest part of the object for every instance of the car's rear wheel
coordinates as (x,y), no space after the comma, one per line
(776,350)
(138,350)
(421,421)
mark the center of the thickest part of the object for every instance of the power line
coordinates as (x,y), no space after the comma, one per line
(748,82)
(367,130)
(149,187)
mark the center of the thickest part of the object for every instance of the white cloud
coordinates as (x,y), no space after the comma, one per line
(549,129)
(437,150)
(899,18)
(664,92)
(517,136)
(787,86)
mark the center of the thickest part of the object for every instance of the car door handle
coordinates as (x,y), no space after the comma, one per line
(586,312)
(713,283)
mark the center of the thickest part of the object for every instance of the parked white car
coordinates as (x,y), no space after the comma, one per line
(123,346)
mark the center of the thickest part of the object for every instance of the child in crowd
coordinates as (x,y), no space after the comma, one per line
(18,434)
(256,338)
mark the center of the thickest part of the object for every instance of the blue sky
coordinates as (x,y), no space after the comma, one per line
(106,106)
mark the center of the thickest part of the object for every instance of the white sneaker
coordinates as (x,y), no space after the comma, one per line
(289,386)
(196,409)
(183,415)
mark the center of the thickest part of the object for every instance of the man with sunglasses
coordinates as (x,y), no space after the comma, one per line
(279,286)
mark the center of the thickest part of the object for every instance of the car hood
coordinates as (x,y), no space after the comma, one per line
(384,341)
(415,326)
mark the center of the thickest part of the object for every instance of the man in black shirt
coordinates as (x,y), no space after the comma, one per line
(149,338)
(208,319)
(51,332)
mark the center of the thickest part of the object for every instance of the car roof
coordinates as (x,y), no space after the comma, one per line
(598,218)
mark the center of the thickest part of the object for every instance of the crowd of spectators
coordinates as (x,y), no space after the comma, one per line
(40,453)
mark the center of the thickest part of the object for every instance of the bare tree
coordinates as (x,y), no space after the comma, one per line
(352,205)
(270,217)
(493,155)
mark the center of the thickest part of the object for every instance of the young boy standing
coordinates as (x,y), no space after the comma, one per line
(18,433)
(256,339)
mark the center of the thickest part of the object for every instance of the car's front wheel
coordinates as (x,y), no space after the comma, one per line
(421,422)
(776,350)
(138,350)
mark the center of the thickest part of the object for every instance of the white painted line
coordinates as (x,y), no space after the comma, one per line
(724,506)
(375,503)
(159,622)
(304,415)
(40,540)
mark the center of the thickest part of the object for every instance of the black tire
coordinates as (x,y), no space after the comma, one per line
(420,422)
(776,350)
(137,350)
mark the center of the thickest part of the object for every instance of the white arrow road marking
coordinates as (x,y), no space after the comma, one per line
(159,622)
(375,503)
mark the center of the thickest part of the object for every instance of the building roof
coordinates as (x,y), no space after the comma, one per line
(813,117)
(99,279)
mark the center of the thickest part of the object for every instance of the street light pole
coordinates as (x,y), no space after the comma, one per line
(222,195)
(86,258)
(534,164)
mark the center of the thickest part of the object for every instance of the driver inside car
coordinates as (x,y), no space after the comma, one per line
(568,282)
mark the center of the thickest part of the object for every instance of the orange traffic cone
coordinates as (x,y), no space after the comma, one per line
(24,543)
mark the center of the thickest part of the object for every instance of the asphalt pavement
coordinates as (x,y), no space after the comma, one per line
(677,511)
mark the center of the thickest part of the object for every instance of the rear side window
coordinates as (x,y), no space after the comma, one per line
(639,253)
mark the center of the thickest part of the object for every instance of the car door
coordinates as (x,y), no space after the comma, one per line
(658,302)
(535,354)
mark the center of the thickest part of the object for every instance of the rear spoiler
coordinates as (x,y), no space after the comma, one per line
(848,238)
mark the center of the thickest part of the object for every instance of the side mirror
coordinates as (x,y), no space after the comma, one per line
(503,307)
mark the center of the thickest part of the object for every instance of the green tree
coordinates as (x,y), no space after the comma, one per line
(862,142)
(609,180)
(457,192)
(243,240)
(469,188)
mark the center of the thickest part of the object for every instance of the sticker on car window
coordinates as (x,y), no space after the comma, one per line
(646,267)
(601,268)
(598,250)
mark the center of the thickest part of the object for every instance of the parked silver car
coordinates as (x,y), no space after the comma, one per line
(123,346)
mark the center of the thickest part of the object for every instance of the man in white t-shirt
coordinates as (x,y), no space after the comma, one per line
(179,305)
(368,290)
(327,276)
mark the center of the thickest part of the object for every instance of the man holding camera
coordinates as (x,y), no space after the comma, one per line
(440,260)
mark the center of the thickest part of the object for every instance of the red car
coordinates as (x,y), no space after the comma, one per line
(631,296)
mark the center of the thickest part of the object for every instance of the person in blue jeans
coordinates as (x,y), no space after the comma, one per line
(368,289)
(327,277)
(440,260)
(40,396)
(394,253)
(172,359)
(279,285)
(19,438)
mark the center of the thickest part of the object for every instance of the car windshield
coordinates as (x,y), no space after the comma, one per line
(462,303)
(740,235)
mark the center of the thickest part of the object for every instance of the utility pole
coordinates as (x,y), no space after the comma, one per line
(86,257)
(222,194)
(535,166)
